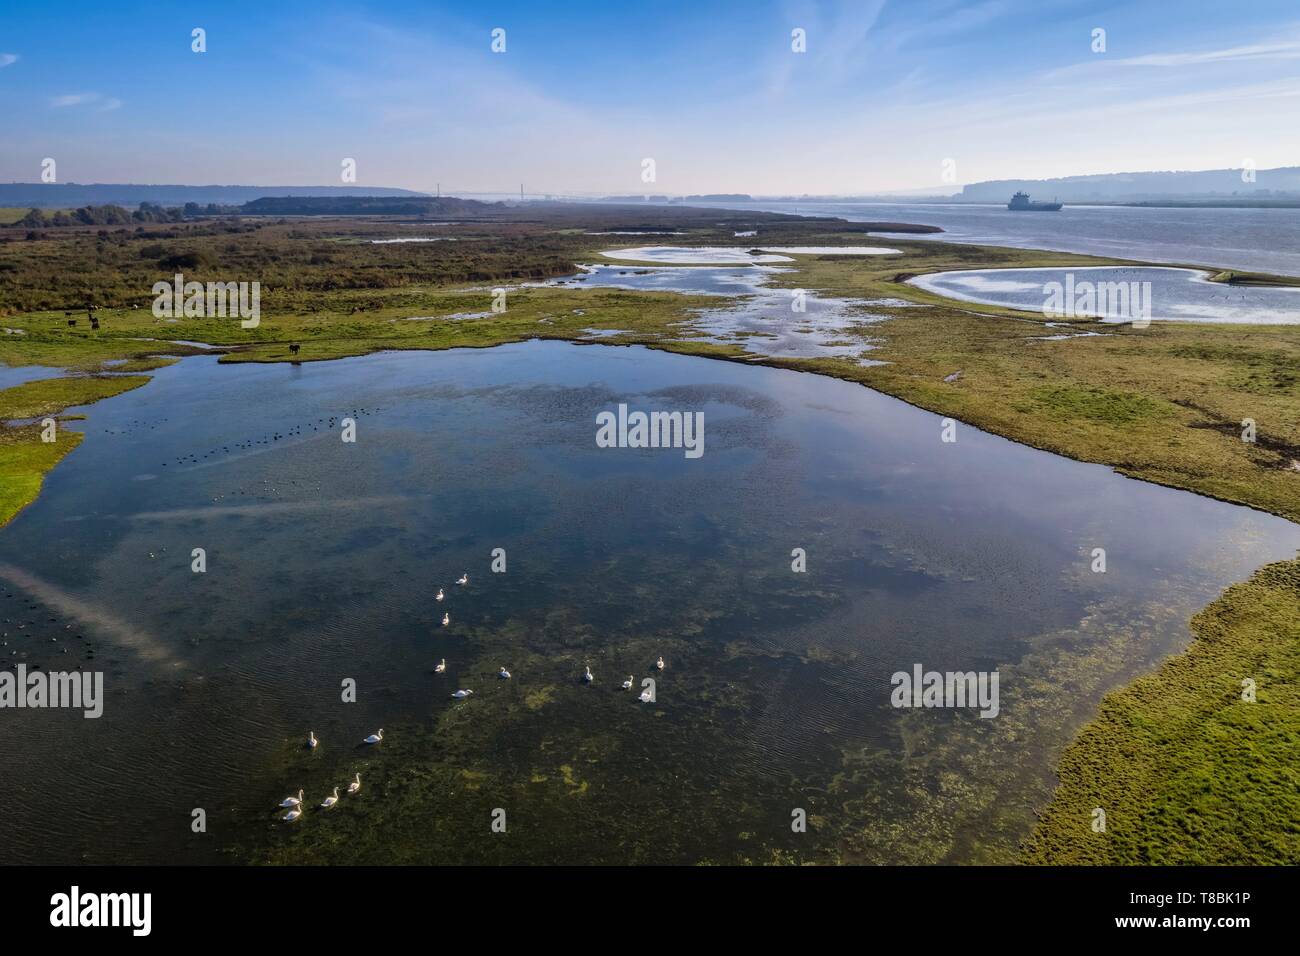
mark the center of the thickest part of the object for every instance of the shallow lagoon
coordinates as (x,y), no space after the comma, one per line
(1176,295)
(323,558)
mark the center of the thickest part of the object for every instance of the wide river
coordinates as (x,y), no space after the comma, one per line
(1261,240)
(323,558)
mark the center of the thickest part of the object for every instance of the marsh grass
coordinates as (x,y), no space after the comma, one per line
(1187,771)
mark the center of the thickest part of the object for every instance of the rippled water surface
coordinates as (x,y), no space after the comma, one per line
(323,558)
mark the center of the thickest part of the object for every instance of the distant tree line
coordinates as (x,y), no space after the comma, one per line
(100,216)
(113,215)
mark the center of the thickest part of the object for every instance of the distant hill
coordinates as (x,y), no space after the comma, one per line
(410,205)
(73,195)
(1282,183)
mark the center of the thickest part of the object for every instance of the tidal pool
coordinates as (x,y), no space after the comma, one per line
(389,242)
(1175,295)
(734,255)
(323,558)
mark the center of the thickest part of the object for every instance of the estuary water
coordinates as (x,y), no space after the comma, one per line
(1260,240)
(322,559)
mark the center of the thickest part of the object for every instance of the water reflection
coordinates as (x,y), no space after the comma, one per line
(323,558)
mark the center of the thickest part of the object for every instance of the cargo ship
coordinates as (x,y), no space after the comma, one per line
(1020,203)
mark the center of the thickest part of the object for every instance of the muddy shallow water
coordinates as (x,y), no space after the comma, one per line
(323,558)
(761,318)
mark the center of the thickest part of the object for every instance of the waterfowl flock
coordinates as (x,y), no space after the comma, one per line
(295,804)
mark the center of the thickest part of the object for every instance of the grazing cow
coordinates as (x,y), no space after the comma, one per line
(294,348)
(94,322)
(72,321)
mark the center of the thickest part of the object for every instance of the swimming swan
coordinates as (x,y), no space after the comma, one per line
(355,785)
(627,684)
(446,619)
(330,801)
(461,694)
(292,801)
(587,676)
(463,579)
(375,738)
(311,738)
(441,667)
(292,815)
(439,596)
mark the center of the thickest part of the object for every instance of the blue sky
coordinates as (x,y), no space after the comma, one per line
(886,92)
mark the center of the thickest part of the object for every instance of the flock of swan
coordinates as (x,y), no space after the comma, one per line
(296,806)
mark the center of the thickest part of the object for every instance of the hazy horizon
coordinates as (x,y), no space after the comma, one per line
(887,97)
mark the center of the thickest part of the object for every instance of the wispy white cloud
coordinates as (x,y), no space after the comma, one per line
(835,41)
(8,59)
(105,103)
(73,99)
(1289,50)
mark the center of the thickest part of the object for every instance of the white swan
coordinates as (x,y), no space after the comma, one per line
(647,695)
(463,579)
(330,801)
(292,815)
(660,663)
(441,667)
(627,684)
(587,676)
(311,738)
(375,738)
(292,801)
(503,674)
(461,694)
(439,596)
(355,785)
(446,619)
